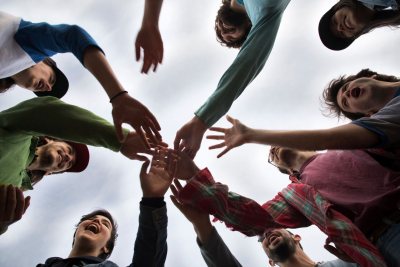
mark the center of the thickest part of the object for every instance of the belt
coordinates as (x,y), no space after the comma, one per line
(385,224)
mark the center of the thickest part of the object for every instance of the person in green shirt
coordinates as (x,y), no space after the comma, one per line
(24,160)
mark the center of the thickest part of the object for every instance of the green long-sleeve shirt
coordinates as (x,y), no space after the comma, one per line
(265,16)
(46,116)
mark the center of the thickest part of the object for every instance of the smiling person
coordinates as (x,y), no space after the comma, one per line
(337,191)
(251,25)
(370,99)
(349,19)
(26,49)
(44,136)
(281,246)
(96,233)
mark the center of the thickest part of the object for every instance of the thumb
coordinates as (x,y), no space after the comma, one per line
(118,130)
(143,170)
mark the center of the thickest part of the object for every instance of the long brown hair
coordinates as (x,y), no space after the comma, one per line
(381,18)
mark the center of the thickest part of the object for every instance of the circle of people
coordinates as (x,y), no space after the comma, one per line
(350,192)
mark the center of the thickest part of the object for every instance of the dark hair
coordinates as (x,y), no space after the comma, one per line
(237,19)
(330,92)
(111,242)
(381,18)
(8,82)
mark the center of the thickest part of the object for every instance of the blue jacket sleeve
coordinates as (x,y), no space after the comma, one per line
(151,240)
(42,40)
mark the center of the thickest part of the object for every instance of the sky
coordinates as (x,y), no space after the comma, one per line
(285,95)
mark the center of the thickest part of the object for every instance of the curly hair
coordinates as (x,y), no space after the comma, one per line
(331,91)
(237,19)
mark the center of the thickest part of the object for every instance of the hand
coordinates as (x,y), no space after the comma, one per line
(128,110)
(188,138)
(195,216)
(149,39)
(134,145)
(186,168)
(156,182)
(233,137)
(12,205)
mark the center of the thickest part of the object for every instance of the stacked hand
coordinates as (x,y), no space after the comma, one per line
(199,219)
(232,137)
(12,205)
(162,170)
(128,110)
(188,138)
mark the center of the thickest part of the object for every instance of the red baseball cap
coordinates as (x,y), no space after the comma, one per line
(81,157)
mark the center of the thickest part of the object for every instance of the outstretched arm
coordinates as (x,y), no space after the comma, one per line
(125,108)
(149,38)
(151,239)
(244,69)
(349,136)
(213,248)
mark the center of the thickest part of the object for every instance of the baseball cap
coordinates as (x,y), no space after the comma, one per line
(61,84)
(326,35)
(81,157)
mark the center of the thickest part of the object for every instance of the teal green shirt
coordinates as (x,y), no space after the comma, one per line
(46,116)
(265,16)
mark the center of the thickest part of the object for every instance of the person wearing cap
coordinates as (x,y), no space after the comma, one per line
(349,19)
(24,60)
(44,136)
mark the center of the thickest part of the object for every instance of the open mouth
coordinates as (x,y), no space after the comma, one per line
(92,228)
(273,239)
(355,92)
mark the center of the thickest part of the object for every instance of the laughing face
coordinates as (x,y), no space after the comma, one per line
(38,78)
(93,234)
(55,156)
(347,23)
(363,95)
(279,245)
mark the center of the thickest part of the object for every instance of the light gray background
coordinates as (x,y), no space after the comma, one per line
(285,95)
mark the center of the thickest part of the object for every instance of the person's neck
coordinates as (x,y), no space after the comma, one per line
(299,259)
(301,159)
(82,252)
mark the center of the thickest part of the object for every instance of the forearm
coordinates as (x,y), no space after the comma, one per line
(238,212)
(248,64)
(203,230)
(152,10)
(343,137)
(151,240)
(215,252)
(49,116)
(97,64)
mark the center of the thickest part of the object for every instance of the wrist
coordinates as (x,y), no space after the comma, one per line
(117,95)
(203,230)
(199,124)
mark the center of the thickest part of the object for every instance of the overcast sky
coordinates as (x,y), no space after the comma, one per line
(285,95)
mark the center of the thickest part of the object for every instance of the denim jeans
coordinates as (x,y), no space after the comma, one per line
(389,245)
